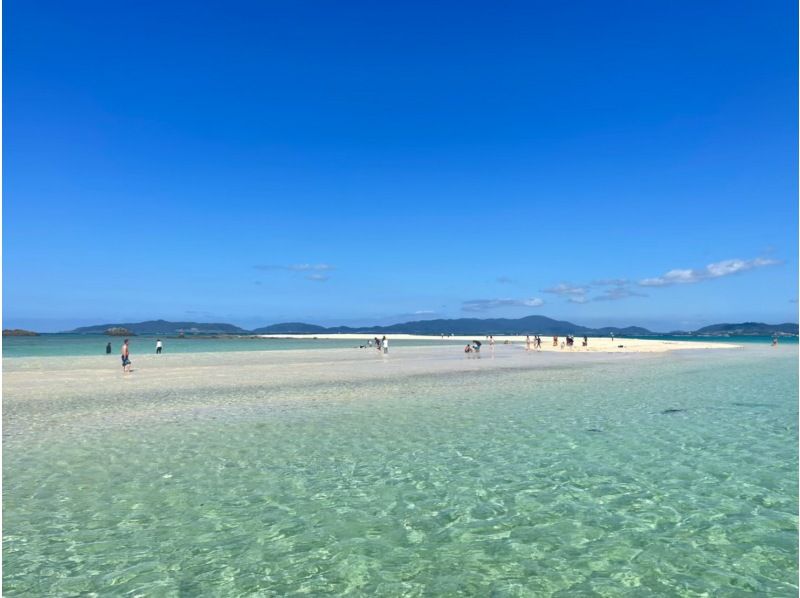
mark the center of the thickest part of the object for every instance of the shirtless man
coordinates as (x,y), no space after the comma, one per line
(126,362)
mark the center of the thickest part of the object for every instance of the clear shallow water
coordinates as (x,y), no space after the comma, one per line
(83,344)
(562,480)
(69,345)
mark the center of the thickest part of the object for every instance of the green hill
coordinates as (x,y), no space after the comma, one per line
(461,326)
(457,326)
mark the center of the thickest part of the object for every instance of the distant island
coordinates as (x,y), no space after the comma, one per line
(163,327)
(748,329)
(18,332)
(460,326)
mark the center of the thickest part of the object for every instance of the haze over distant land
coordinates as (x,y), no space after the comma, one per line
(362,164)
(530,324)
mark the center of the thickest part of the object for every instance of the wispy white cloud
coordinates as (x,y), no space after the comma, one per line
(307,267)
(711,271)
(317,277)
(610,282)
(296,267)
(617,293)
(488,304)
(611,289)
(568,290)
(313,272)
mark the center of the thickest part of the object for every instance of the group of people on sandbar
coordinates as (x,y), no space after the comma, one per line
(381,344)
(537,342)
(569,341)
(474,350)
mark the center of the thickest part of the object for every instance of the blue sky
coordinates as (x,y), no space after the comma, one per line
(256,162)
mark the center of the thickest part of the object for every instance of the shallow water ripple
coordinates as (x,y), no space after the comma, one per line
(506,483)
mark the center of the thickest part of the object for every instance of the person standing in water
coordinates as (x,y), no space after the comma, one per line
(385,345)
(126,357)
(159,346)
(108,348)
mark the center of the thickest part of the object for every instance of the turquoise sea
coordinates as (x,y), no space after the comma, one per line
(577,475)
(95,344)
(47,345)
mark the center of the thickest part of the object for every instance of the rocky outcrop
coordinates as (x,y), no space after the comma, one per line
(18,332)
(118,331)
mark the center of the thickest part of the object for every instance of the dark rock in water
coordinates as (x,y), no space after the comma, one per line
(666,411)
(594,430)
(119,331)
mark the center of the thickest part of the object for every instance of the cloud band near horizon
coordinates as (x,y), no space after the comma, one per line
(710,272)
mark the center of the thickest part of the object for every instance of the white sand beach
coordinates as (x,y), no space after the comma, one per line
(50,378)
(595,344)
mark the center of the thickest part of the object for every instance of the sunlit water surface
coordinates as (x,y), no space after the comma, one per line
(672,475)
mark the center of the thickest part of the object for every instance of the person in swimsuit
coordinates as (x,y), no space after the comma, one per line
(126,354)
